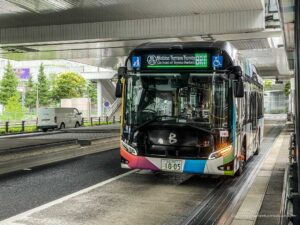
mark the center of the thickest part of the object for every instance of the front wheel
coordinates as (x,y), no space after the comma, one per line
(242,163)
(241,168)
(77,125)
(257,151)
(258,146)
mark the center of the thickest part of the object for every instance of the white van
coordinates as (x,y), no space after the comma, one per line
(52,118)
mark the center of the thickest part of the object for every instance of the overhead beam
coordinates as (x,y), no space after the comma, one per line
(214,23)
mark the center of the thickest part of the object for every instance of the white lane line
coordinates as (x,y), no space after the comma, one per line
(12,219)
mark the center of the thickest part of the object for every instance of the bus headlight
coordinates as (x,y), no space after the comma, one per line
(129,149)
(220,153)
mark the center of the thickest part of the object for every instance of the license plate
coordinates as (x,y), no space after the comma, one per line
(172,165)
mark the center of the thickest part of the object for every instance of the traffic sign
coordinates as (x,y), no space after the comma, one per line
(106,104)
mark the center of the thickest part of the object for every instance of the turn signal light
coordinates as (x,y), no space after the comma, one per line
(220,152)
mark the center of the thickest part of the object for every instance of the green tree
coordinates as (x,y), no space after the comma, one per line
(68,85)
(13,108)
(52,77)
(8,85)
(43,87)
(287,88)
(91,92)
(30,93)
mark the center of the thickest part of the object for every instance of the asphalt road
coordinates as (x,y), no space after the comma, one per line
(28,189)
(25,190)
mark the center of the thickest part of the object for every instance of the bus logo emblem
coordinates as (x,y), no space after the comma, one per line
(151,60)
(172,138)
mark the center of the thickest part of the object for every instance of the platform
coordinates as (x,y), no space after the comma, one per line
(263,202)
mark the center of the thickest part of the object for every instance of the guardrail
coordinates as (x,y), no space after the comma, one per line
(97,121)
(26,126)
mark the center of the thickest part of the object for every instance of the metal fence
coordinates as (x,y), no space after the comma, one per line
(31,125)
(97,121)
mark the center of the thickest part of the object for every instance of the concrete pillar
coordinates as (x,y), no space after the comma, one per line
(99,98)
(297,92)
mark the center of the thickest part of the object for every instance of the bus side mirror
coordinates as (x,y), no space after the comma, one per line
(239,89)
(122,71)
(235,72)
(119,89)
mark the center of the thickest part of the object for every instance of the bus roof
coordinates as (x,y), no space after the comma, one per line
(220,45)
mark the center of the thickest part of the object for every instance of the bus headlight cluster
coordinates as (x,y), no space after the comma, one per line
(129,149)
(220,152)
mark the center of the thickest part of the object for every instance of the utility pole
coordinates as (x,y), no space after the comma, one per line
(37,98)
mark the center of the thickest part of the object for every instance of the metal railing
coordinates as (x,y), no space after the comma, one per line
(18,126)
(114,107)
(102,120)
(24,126)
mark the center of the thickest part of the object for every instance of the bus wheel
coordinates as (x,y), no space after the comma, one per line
(242,162)
(44,129)
(62,126)
(77,125)
(258,146)
(257,151)
(240,169)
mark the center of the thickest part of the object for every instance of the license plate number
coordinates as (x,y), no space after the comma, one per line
(171,165)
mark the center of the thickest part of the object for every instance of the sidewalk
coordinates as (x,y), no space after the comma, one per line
(263,201)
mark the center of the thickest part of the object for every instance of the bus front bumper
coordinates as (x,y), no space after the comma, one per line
(217,166)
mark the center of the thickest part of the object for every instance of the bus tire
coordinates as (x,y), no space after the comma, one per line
(44,129)
(257,151)
(241,162)
(240,169)
(62,126)
(258,145)
(77,124)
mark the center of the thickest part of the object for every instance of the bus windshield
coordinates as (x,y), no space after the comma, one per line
(200,99)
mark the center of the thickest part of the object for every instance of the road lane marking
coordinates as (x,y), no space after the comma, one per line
(11,220)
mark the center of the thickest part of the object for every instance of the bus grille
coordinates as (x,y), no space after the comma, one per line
(180,152)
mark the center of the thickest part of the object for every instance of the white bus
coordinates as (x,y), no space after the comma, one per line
(190,108)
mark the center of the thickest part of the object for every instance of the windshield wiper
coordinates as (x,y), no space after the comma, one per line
(199,128)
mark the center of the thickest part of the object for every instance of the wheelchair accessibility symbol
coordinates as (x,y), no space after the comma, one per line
(136,62)
(217,61)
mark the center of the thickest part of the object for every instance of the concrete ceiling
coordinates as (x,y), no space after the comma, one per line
(45,12)
(102,32)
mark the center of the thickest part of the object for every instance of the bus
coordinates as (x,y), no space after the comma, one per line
(189,107)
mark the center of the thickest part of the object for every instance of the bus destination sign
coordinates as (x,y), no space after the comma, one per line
(179,61)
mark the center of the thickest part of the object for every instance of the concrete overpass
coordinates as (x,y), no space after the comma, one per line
(102,33)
